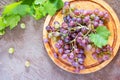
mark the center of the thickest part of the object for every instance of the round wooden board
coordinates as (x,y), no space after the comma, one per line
(91,64)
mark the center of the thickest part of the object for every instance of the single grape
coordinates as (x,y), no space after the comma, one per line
(71,55)
(70,60)
(96,11)
(106,57)
(76,12)
(65,19)
(85,12)
(84,30)
(72,23)
(76,50)
(64,25)
(96,18)
(65,31)
(66,3)
(74,18)
(82,67)
(60,42)
(48,28)
(67,39)
(95,24)
(64,56)
(73,35)
(80,34)
(81,11)
(101,14)
(57,45)
(81,51)
(61,50)
(46,40)
(79,20)
(95,56)
(86,19)
(106,16)
(67,51)
(75,64)
(67,46)
(55,55)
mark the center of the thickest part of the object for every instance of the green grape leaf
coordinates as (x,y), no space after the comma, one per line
(21,10)
(39,2)
(50,8)
(9,8)
(2,24)
(12,20)
(100,38)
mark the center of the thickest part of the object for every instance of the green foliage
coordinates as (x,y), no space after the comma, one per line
(12,13)
(100,38)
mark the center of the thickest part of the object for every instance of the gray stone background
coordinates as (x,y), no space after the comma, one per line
(29,46)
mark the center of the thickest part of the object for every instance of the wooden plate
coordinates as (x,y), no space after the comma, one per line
(91,64)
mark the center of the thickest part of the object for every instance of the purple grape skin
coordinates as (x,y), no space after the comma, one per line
(81,51)
(74,18)
(96,19)
(80,55)
(95,56)
(84,30)
(67,51)
(77,70)
(79,20)
(61,50)
(75,64)
(66,3)
(72,23)
(105,57)
(70,60)
(57,45)
(81,11)
(82,67)
(67,46)
(97,50)
(48,28)
(64,25)
(46,40)
(76,12)
(71,55)
(101,14)
(85,12)
(96,11)
(76,50)
(86,19)
(60,42)
(95,24)
(106,16)
(55,55)
(64,56)
(65,19)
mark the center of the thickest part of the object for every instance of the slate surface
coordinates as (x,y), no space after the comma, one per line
(29,46)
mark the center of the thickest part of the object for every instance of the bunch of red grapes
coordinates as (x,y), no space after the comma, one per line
(72,35)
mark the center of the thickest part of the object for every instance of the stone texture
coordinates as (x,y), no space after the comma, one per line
(28,45)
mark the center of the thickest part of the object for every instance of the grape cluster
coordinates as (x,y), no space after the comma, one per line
(102,54)
(72,35)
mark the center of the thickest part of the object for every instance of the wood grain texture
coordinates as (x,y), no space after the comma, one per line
(28,45)
(90,64)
